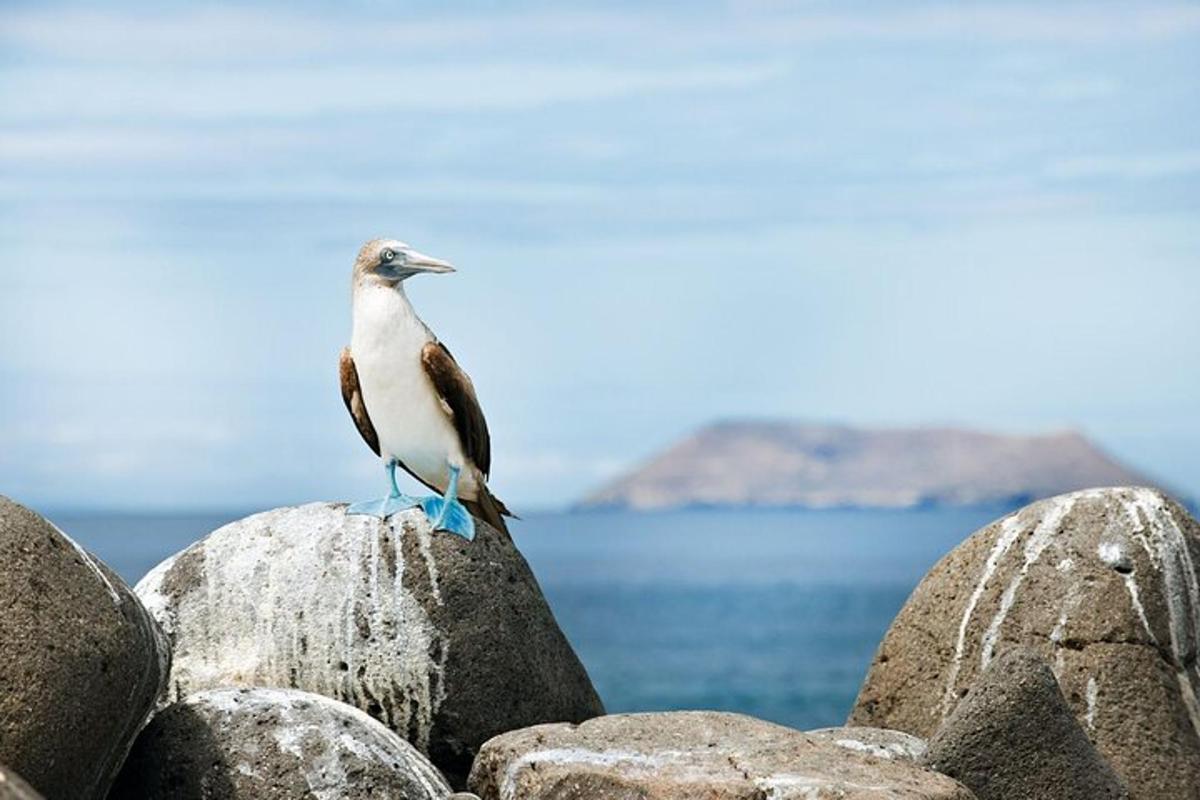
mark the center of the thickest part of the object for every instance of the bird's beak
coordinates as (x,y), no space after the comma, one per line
(419,262)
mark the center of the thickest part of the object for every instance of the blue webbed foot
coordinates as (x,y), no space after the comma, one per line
(385,507)
(449,515)
(395,501)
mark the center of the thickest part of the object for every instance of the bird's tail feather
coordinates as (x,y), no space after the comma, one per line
(490,509)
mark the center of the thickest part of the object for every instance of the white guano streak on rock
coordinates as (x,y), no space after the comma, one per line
(1038,541)
(324,732)
(270,582)
(640,763)
(878,750)
(1074,595)
(1113,556)
(1093,693)
(1164,539)
(1059,634)
(1010,528)
(1135,601)
(424,534)
(785,785)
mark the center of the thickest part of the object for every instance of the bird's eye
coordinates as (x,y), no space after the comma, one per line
(387,256)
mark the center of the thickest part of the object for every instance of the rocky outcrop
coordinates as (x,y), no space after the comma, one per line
(1013,736)
(690,754)
(878,742)
(12,787)
(272,744)
(447,642)
(1103,585)
(81,661)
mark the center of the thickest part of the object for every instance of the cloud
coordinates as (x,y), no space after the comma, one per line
(255,37)
(1095,23)
(1066,89)
(61,93)
(1146,166)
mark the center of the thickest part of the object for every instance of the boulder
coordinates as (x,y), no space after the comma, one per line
(690,754)
(13,788)
(81,661)
(879,742)
(446,641)
(1102,584)
(1013,736)
(272,744)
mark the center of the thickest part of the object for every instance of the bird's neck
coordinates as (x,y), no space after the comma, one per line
(382,309)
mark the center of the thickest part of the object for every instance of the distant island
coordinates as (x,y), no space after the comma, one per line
(791,464)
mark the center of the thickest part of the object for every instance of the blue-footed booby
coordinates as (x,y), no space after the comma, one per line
(412,403)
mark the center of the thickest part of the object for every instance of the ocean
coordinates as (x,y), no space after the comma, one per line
(771,613)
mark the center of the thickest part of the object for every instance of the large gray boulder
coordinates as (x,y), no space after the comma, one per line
(691,754)
(12,787)
(446,641)
(1103,585)
(272,744)
(81,661)
(1013,737)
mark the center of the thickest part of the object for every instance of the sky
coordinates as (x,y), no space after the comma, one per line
(980,214)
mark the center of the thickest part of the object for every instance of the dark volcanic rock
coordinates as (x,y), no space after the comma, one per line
(272,744)
(1103,585)
(12,787)
(684,755)
(1014,737)
(448,642)
(81,662)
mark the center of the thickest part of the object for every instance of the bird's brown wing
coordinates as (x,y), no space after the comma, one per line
(459,401)
(352,396)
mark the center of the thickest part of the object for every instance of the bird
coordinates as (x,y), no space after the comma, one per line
(412,403)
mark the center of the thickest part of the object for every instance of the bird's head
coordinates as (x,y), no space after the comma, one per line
(390,261)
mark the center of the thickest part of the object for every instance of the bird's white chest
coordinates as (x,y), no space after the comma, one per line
(404,408)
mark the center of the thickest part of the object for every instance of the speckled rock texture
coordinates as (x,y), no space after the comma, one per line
(684,755)
(272,744)
(1013,737)
(12,787)
(81,661)
(878,742)
(1103,585)
(446,641)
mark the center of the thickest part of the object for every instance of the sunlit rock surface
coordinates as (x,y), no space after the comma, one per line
(878,742)
(691,754)
(273,744)
(1103,585)
(447,642)
(81,661)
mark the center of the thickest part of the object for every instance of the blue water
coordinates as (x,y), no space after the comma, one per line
(771,613)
